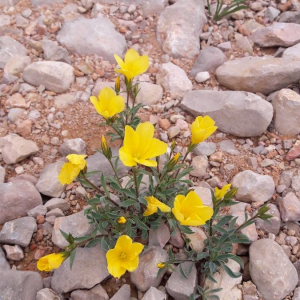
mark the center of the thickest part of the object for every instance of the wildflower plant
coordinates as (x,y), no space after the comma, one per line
(156,192)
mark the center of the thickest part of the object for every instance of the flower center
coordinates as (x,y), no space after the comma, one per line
(123,255)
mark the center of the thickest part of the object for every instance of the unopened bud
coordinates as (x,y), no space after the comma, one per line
(172,163)
(117,85)
(105,149)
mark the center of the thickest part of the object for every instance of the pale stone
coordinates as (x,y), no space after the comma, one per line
(73,146)
(200,165)
(149,93)
(292,52)
(196,239)
(289,207)
(154,294)
(16,64)
(14,253)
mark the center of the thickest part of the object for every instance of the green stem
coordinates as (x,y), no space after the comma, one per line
(160,180)
(183,160)
(135,183)
(116,173)
(127,106)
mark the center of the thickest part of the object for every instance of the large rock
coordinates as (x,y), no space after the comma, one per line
(209,59)
(89,269)
(145,275)
(279,34)
(8,2)
(9,47)
(76,224)
(16,199)
(48,294)
(123,293)
(179,26)
(48,183)
(18,232)
(46,2)
(98,162)
(286,105)
(4,265)
(149,93)
(55,76)
(289,207)
(73,146)
(54,52)
(102,38)
(19,285)
(16,64)
(174,80)
(292,52)
(253,187)
(290,17)
(271,270)
(16,148)
(239,113)
(227,283)
(154,294)
(259,74)
(179,287)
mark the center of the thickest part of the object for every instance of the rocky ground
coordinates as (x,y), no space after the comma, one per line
(244,72)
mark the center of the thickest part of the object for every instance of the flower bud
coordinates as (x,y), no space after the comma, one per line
(161,265)
(117,85)
(105,149)
(172,163)
(135,90)
(122,220)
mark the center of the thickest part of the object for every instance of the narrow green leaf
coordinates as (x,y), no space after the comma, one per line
(72,257)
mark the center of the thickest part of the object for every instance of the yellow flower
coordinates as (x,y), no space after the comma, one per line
(202,128)
(161,265)
(71,169)
(133,64)
(122,220)
(50,262)
(152,206)
(140,146)
(219,194)
(190,210)
(108,103)
(125,256)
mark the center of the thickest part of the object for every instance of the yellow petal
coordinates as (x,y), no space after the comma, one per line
(131,265)
(157,148)
(146,162)
(124,243)
(145,132)
(116,105)
(137,248)
(131,56)
(119,60)
(128,74)
(78,160)
(141,65)
(126,157)
(50,262)
(68,173)
(178,215)
(151,209)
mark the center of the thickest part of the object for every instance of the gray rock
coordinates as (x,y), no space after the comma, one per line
(154,294)
(65,100)
(227,109)
(45,2)
(173,131)
(259,74)
(145,275)
(272,13)
(205,195)
(296,182)
(98,162)
(4,20)
(271,270)
(209,59)
(2,174)
(48,183)
(205,148)
(253,187)
(197,239)
(102,39)
(228,284)
(289,207)
(273,226)
(101,85)
(200,165)
(18,232)
(57,203)
(53,75)
(290,17)
(243,43)
(149,93)
(181,288)
(8,2)
(4,265)
(177,240)
(16,148)
(14,114)
(279,34)
(159,237)
(48,294)
(174,80)
(20,284)
(73,146)
(88,295)
(76,224)
(38,210)
(16,199)
(292,52)
(16,65)
(229,147)
(123,293)
(286,104)
(14,253)
(296,294)
(54,52)
(179,26)
(9,47)
(89,269)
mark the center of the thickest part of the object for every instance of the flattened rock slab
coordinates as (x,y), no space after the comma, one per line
(48,183)
(292,52)
(76,224)
(279,34)
(259,74)
(149,93)
(19,285)
(179,26)
(46,2)
(286,105)
(271,270)
(252,113)
(4,265)
(289,207)
(16,148)
(8,46)
(145,275)
(290,17)
(154,294)
(102,38)
(55,76)
(123,293)
(89,269)
(18,232)
(16,199)
(181,288)
(253,187)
